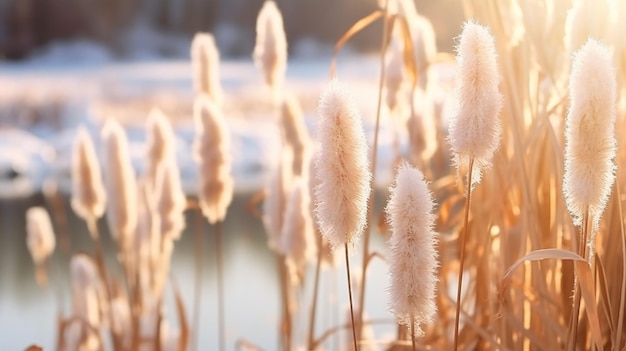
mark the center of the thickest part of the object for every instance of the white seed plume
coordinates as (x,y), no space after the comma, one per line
(86,290)
(170,201)
(474,126)
(160,143)
(277,195)
(342,168)
(212,153)
(120,183)
(413,259)
(270,50)
(297,240)
(39,234)
(590,134)
(394,61)
(295,132)
(205,59)
(88,196)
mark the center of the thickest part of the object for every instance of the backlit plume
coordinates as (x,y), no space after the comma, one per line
(88,196)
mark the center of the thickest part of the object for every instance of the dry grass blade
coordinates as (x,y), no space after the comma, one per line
(409,52)
(604,293)
(356,27)
(585,278)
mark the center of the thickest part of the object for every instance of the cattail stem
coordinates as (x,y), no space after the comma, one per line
(350,297)
(582,251)
(197,298)
(462,258)
(220,285)
(366,235)
(315,293)
(413,332)
(286,303)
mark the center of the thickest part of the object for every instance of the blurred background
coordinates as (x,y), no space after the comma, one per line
(132,28)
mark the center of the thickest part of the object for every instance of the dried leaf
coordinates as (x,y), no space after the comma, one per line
(356,27)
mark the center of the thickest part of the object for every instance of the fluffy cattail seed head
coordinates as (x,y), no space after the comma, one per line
(297,240)
(342,168)
(88,196)
(39,235)
(395,75)
(295,132)
(270,51)
(277,195)
(474,126)
(212,153)
(590,133)
(171,201)
(120,184)
(205,59)
(160,142)
(413,260)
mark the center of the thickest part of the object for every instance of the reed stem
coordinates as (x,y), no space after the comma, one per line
(366,235)
(462,258)
(582,251)
(315,293)
(220,285)
(197,293)
(350,297)
(413,332)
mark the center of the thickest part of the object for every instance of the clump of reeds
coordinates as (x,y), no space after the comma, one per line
(88,196)
(270,50)
(205,59)
(413,260)
(40,240)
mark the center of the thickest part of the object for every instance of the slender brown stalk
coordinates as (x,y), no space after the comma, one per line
(220,285)
(286,303)
(197,298)
(350,297)
(413,333)
(315,292)
(462,258)
(366,235)
(582,251)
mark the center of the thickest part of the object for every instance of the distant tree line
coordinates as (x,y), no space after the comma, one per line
(26,25)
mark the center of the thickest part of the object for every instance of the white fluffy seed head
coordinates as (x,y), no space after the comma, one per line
(160,142)
(39,234)
(277,195)
(474,126)
(270,50)
(212,154)
(297,240)
(342,168)
(395,74)
(170,201)
(413,260)
(120,184)
(205,59)
(590,133)
(88,196)
(86,289)
(295,132)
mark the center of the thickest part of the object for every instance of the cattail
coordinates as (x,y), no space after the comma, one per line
(413,259)
(270,50)
(587,19)
(86,290)
(590,134)
(120,184)
(160,143)
(474,126)
(295,132)
(211,152)
(39,235)
(40,240)
(88,196)
(394,72)
(205,59)
(342,168)
(170,201)
(297,240)
(277,194)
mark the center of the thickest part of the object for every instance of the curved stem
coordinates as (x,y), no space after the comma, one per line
(366,235)
(350,296)
(462,258)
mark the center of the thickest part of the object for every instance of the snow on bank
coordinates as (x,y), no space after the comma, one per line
(42,103)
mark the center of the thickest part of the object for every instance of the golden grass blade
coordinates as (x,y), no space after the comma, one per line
(584,276)
(605,295)
(356,27)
